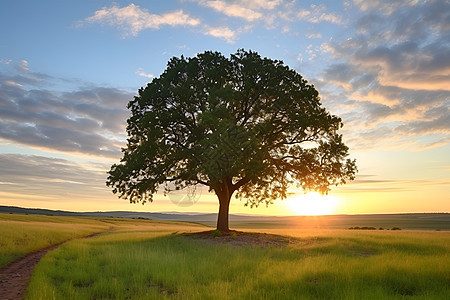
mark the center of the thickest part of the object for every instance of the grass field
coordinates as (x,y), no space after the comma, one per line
(141,259)
(22,234)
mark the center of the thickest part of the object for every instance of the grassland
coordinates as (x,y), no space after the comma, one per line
(22,234)
(142,259)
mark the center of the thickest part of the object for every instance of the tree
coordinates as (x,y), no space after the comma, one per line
(246,125)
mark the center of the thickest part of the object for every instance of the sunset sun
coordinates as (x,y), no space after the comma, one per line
(312,204)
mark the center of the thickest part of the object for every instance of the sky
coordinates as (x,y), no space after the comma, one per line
(69,68)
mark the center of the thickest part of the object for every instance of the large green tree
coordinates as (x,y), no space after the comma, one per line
(244,125)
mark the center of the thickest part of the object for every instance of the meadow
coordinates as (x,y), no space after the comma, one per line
(23,234)
(143,259)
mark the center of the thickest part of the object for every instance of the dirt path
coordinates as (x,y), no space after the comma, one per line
(14,277)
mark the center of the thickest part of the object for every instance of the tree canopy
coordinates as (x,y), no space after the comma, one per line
(244,125)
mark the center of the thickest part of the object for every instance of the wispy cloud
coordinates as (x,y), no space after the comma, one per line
(249,10)
(435,144)
(142,73)
(315,35)
(88,120)
(263,4)
(222,32)
(386,7)
(371,184)
(395,70)
(23,66)
(37,175)
(233,10)
(132,19)
(314,14)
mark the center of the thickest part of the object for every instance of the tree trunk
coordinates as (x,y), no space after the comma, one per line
(224,194)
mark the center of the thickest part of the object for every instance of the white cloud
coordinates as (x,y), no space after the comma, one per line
(386,7)
(316,35)
(141,72)
(316,14)
(312,52)
(249,10)
(12,83)
(262,4)
(223,32)
(234,10)
(285,29)
(132,19)
(239,6)
(23,66)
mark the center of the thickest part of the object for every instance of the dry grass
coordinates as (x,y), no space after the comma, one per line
(153,260)
(23,234)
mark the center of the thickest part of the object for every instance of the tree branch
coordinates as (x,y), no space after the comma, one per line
(240,183)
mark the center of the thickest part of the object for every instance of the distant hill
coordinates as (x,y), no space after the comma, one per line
(114,214)
(415,221)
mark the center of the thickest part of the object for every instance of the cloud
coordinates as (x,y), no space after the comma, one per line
(386,7)
(141,73)
(250,11)
(132,19)
(233,10)
(90,120)
(433,126)
(289,13)
(408,47)
(396,70)
(315,14)
(316,35)
(38,175)
(262,4)
(380,186)
(222,32)
(19,169)
(23,66)
(439,143)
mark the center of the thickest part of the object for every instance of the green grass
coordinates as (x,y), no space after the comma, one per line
(22,234)
(146,260)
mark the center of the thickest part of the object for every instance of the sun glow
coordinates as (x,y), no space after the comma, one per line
(312,204)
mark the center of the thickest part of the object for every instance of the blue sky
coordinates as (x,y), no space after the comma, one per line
(68,69)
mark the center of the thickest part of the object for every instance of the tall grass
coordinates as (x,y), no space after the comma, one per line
(146,261)
(22,234)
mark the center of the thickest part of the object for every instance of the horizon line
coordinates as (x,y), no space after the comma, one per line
(215,213)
